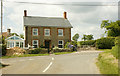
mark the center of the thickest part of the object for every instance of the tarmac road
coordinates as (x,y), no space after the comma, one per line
(74,63)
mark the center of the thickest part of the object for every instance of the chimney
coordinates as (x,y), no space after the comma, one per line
(65,15)
(25,13)
(8,31)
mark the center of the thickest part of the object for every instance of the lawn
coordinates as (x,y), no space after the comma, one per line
(25,55)
(107,62)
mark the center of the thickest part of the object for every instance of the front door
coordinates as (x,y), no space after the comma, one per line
(47,43)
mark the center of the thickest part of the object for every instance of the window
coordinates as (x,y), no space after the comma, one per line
(60,32)
(17,44)
(60,43)
(47,32)
(35,31)
(21,44)
(35,43)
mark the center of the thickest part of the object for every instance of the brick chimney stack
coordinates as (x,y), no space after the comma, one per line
(25,13)
(65,15)
(8,31)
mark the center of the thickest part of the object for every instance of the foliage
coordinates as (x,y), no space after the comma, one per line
(117,41)
(87,37)
(67,44)
(105,43)
(22,36)
(75,37)
(55,50)
(4,51)
(14,34)
(59,53)
(112,28)
(89,42)
(84,37)
(107,63)
(38,51)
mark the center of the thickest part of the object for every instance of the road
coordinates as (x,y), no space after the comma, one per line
(74,63)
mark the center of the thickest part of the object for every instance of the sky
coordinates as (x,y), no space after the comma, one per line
(84,15)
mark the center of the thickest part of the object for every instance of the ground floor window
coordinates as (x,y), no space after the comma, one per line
(17,44)
(60,43)
(11,44)
(21,44)
(35,43)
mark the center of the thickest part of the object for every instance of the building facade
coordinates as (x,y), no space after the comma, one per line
(46,31)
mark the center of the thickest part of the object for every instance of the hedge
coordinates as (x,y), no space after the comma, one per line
(89,42)
(105,43)
(38,51)
(3,47)
(62,50)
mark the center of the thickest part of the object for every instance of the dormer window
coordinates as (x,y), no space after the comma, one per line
(35,31)
(60,32)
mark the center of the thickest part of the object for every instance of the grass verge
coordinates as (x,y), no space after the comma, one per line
(107,63)
(25,55)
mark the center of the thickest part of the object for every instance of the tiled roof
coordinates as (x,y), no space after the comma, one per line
(46,21)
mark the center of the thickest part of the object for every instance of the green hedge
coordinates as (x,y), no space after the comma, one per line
(105,43)
(89,42)
(4,51)
(38,51)
(55,50)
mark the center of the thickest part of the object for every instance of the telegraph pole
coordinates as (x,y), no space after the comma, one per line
(1,15)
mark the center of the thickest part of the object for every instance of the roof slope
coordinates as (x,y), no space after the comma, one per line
(46,22)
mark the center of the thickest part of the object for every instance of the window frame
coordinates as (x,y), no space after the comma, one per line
(62,32)
(34,31)
(61,44)
(45,31)
(35,44)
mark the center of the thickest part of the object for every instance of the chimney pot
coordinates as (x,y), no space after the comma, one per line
(8,31)
(65,15)
(25,13)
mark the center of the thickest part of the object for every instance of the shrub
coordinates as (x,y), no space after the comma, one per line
(117,41)
(62,50)
(4,51)
(38,51)
(89,42)
(105,43)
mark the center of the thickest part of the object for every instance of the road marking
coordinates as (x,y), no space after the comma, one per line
(52,58)
(48,67)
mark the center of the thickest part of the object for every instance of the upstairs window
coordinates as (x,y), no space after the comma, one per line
(35,31)
(60,43)
(60,32)
(47,32)
(35,43)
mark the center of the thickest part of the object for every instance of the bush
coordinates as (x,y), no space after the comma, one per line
(117,41)
(62,50)
(105,43)
(4,51)
(38,51)
(89,42)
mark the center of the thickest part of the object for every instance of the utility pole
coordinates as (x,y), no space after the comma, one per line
(1,15)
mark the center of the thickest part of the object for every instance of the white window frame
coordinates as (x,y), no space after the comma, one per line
(33,30)
(35,44)
(62,43)
(45,32)
(59,31)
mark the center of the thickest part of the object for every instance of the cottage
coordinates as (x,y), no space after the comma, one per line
(46,31)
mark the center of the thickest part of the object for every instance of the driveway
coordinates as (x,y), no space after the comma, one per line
(74,63)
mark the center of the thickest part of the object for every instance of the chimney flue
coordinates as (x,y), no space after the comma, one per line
(65,15)
(25,13)
(8,31)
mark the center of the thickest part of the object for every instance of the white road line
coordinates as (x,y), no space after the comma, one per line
(52,58)
(48,67)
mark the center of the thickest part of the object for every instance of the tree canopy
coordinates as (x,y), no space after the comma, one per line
(75,37)
(112,28)
(87,37)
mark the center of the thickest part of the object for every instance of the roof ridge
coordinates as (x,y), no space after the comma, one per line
(44,17)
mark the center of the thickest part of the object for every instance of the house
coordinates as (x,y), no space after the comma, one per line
(6,34)
(15,41)
(46,31)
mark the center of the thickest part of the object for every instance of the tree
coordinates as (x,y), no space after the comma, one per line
(112,28)
(89,37)
(14,34)
(84,37)
(22,36)
(75,37)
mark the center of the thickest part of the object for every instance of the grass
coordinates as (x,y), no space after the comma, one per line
(103,49)
(25,55)
(59,53)
(107,63)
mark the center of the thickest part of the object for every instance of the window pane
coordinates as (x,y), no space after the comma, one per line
(35,43)
(17,44)
(47,32)
(60,42)
(60,32)
(60,46)
(35,31)
(21,44)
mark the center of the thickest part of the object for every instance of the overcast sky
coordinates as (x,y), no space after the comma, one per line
(84,15)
